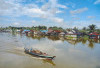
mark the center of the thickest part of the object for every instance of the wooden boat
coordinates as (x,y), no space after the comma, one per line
(38,53)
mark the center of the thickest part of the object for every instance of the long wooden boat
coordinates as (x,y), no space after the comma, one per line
(40,54)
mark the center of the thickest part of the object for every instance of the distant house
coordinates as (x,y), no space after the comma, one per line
(25,31)
(44,32)
(54,32)
(62,34)
(71,34)
(94,35)
(38,33)
(50,31)
(32,32)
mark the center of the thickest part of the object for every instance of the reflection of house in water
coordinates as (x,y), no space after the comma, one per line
(83,41)
(97,40)
(72,41)
(61,38)
(53,38)
(94,35)
(91,44)
(37,37)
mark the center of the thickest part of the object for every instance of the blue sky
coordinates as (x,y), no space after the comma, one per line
(61,13)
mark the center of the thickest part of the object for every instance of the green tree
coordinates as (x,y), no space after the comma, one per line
(92,27)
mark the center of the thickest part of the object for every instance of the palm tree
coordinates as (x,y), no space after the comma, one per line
(92,27)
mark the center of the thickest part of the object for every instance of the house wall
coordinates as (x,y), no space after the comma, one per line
(73,36)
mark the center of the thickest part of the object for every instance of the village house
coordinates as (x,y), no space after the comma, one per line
(44,32)
(50,31)
(38,33)
(25,31)
(62,34)
(70,34)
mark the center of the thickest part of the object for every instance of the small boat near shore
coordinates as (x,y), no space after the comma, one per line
(38,53)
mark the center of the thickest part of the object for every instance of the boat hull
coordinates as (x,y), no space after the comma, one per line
(42,56)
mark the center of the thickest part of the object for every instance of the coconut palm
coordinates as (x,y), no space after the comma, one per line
(92,27)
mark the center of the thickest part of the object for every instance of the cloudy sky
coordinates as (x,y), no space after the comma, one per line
(62,13)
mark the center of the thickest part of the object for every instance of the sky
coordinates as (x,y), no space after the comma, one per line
(61,13)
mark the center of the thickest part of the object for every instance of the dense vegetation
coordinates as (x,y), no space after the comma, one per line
(85,30)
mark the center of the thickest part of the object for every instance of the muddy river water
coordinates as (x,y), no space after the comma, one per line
(69,53)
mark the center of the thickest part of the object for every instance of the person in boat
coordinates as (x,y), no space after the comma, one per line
(37,52)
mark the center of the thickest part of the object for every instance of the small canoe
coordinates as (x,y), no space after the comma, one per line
(40,54)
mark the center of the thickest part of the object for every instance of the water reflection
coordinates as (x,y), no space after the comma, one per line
(70,53)
(49,61)
(54,38)
(73,41)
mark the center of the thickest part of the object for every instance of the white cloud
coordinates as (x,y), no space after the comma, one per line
(34,10)
(34,22)
(90,17)
(83,23)
(59,11)
(45,7)
(52,5)
(38,1)
(77,11)
(97,2)
(16,24)
(58,20)
(47,11)
(62,6)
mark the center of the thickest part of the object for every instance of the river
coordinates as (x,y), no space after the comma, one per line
(69,53)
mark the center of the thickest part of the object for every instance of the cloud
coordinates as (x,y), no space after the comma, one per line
(58,20)
(59,11)
(83,23)
(90,17)
(47,11)
(62,6)
(34,22)
(97,2)
(38,1)
(52,5)
(77,11)
(16,24)
(34,10)
(4,6)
